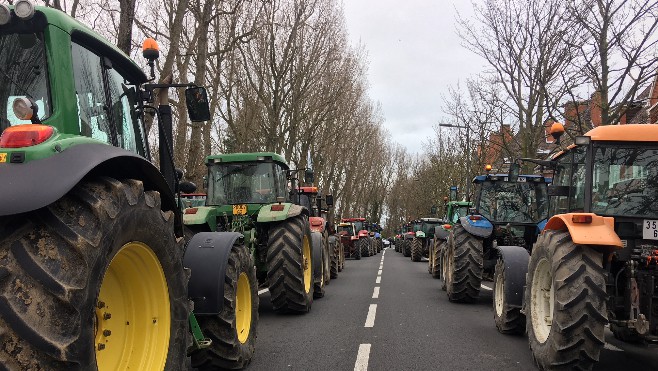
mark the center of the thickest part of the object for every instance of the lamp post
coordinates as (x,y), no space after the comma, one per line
(468,160)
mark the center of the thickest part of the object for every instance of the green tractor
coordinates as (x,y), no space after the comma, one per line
(454,210)
(248,194)
(424,238)
(91,236)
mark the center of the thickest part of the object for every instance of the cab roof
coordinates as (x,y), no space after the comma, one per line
(482,178)
(248,157)
(90,37)
(625,133)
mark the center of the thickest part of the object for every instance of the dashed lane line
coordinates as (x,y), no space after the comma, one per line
(375,293)
(372,312)
(612,347)
(379,272)
(261,292)
(379,279)
(486,287)
(362,358)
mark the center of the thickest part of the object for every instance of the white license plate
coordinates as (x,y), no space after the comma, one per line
(650,229)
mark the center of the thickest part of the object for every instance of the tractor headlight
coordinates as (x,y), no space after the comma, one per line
(5,14)
(24,9)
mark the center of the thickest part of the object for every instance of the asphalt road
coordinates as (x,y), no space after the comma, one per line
(387,313)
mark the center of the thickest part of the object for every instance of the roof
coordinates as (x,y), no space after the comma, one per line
(248,157)
(76,29)
(625,133)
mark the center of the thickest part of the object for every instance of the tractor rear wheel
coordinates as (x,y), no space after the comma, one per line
(416,250)
(357,250)
(565,303)
(435,261)
(290,265)
(464,266)
(72,273)
(328,253)
(509,320)
(364,246)
(335,258)
(233,331)
(406,248)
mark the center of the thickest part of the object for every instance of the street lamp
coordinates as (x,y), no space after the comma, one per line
(468,160)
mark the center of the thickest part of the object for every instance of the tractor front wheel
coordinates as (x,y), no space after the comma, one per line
(290,265)
(94,281)
(509,320)
(334,247)
(406,248)
(435,261)
(464,266)
(233,331)
(565,303)
(416,250)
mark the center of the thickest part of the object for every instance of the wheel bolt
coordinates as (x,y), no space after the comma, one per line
(101,346)
(107,332)
(100,305)
(107,315)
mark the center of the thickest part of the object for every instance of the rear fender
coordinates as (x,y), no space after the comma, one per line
(207,254)
(516,260)
(204,216)
(35,184)
(266,214)
(600,232)
(317,224)
(480,228)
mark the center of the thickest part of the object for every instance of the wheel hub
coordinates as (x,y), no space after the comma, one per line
(542,299)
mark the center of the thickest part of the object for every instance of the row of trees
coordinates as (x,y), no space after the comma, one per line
(282,77)
(542,55)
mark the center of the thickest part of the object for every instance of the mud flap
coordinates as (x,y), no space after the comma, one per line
(207,255)
(516,260)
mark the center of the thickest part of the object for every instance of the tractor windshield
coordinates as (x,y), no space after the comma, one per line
(519,202)
(24,74)
(245,183)
(347,229)
(625,182)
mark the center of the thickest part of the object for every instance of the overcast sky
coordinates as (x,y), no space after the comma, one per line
(414,54)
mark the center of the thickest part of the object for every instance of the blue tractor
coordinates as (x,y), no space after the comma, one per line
(498,233)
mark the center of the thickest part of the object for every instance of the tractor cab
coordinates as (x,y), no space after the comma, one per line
(516,209)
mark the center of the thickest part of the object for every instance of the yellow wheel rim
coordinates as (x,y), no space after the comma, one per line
(243,308)
(306,251)
(133,318)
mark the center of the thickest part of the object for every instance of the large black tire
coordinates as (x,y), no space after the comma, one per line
(53,263)
(416,250)
(319,281)
(334,247)
(444,262)
(289,257)
(406,248)
(575,274)
(396,245)
(435,260)
(357,250)
(464,266)
(341,257)
(327,258)
(509,320)
(229,350)
(364,246)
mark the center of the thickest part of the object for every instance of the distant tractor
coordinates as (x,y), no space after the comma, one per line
(507,215)
(349,238)
(364,240)
(248,194)
(423,237)
(454,211)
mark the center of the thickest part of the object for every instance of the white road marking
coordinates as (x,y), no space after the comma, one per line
(379,272)
(375,293)
(612,347)
(362,358)
(381,266)
(372,312)
(263,291)
(379,279)
(486,287)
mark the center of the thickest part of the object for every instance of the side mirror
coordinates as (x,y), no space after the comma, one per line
(196,100)
(329,200)
(433,210)
(187,187)
(179,174)
(205,182)
(308,176)
(514,169)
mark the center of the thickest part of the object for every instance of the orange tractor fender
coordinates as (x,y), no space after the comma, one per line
(587,229)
